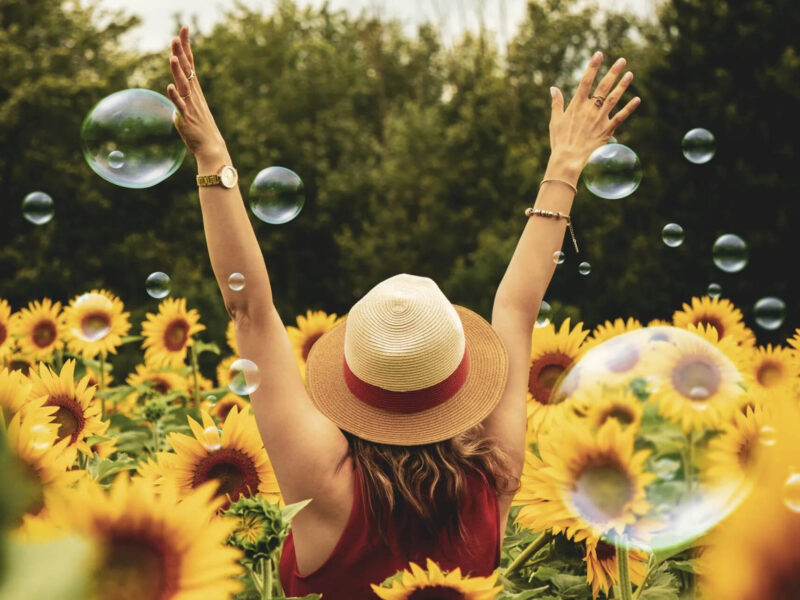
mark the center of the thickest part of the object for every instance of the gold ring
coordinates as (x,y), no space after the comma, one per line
(191,75)
(598,100)
(187,95)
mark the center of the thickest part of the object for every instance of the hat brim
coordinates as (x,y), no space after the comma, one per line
(474,401)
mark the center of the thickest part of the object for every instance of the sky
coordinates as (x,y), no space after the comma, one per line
(452,16)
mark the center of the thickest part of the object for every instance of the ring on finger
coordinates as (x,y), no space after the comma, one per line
(191,75)
(598,100)
(187,95)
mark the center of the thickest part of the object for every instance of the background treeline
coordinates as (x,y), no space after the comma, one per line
(417,157)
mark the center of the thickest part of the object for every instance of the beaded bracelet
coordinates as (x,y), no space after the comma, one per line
(554,215)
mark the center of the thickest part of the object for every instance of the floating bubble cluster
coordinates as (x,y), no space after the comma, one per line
(769,312)
(698,145)
(129,138)
(236,282)
(245,377)
(157,285)
(672,235)
(730,253)
(277,195)
(37,207)
(613,171)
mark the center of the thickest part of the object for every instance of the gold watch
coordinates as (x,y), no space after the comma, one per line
(227,178)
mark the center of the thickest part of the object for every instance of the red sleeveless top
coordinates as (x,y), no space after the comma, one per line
(361,558)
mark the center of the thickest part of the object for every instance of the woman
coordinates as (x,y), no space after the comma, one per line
(411,425)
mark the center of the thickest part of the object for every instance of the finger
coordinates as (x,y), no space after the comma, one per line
(172,92)
(180,78)
(177,51)
(609,78)
(589,75)
(558,102)
(624,113)
(187,47)
(615,95)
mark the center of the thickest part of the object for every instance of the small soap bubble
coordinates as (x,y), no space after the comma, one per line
(584,268)
(730,253)
(37,207)
(95,312)
(791,492)
(277,195)
(767,436)
(41,438)
(698,145)
(116,159)
(770,312)
(558,257)
(544,316)
(613,171)
(672,235)
(714,290)
(236,282)
(129,138)
(245,377)
(211,438)
(157,285)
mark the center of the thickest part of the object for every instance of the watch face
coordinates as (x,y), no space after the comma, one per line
(228,177)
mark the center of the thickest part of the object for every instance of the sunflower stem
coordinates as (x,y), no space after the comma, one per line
(689,469)
(625,590)
(281,593)
(651,566)
(266,574)
(155,437)
(196,390)
(102,385)
(532,549)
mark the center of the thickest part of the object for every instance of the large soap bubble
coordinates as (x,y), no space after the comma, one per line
(277,195)
(613,171)
(129,138)
(655,436)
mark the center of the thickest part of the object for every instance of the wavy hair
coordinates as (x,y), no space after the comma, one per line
(419,486)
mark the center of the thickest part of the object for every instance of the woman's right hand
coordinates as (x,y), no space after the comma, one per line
(194,120)
(586,123)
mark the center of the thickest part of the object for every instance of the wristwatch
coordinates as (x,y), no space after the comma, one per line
(227,178)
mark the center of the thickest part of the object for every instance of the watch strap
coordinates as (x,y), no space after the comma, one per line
(207,180)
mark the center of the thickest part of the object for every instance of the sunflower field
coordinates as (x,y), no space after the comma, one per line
(155,483)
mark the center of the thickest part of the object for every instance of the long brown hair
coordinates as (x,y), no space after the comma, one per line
(419,487)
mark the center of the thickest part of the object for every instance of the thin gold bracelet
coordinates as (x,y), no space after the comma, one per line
(574,189)
(529,212)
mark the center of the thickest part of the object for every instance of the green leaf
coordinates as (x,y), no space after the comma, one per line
(523,595)
(571,586)
(290,510)
(127,339)
(687,566)
(662,585)
(200,347)
(545,573)
(107,468)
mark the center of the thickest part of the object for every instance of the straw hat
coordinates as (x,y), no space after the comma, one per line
(407,367)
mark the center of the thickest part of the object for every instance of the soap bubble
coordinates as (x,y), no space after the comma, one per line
(730,253)
(770,312)
(236,282)
(41,437)
(791,492)
(95,321)
(613,171)
(612,140)
(672,235)
(544,316)
(584,268)
(558,257)
(129,138)
(767,436)
(277,195)
(211,438)
(714,290)
(245,377)
(157,284)
(698,145)
(667,392)
(37,207)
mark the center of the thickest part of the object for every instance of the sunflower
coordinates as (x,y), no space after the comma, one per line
(585,484)
(168,334)
(230,337)
(794,342)
(602,570)
(235,456)
(94,376)
(162,381)
(220,408)
(552,355)
(38,329)
(434,583)
(309,329)
(96,323)
(773,371)
(694,383)
(734,456)
(152,545)
(659,323)
(78,414)
(720,314)
(609,402)
(17,361)
(606,331)
(224,370)
(14,390)
(6,341)
(754,554)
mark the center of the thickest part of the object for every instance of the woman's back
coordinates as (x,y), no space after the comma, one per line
(360,557)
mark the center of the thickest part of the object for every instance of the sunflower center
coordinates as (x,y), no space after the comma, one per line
(436,592)
(175,335)
(602,491)
(21,365)
(160,385)
(69,416)
(622,357)
(745,453)
(712,320)
(3,333)
(250,529)
(234,469)
(544,374)
(95,326)
(44,333)
(623,414)
(310,341)
(696,378)
(769,373)
(137,567)
(223,408)
(605,551)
